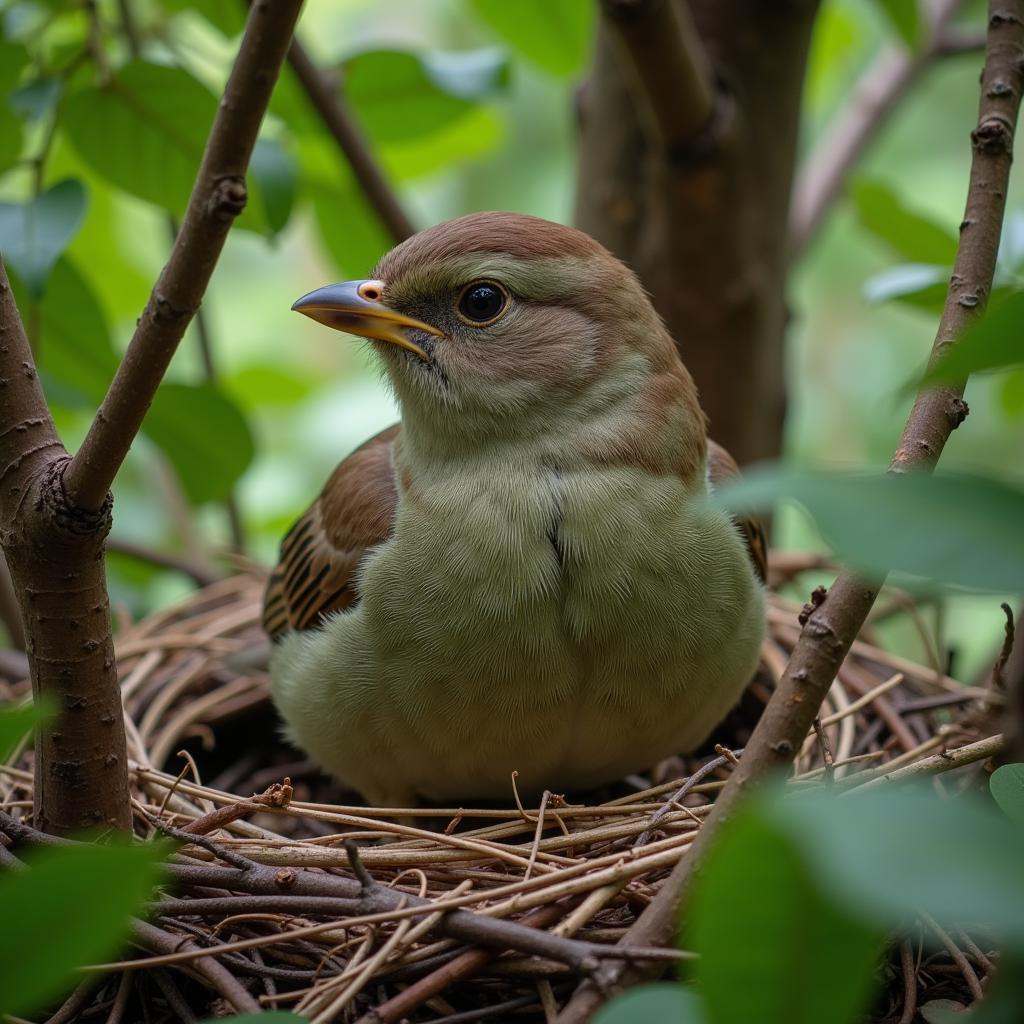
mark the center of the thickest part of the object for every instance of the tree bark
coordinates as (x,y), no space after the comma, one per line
(703,221)
(55,510)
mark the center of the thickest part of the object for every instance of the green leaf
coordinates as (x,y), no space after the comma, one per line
(16,723)
(1011,394)
(911,235)
(204,434)
(894,851)
(556,35)
(772,944)
(469,74)
(76,356)
(10,138)
(144,130)
(916,284)
(261,385)
(1007,786)
(993,342)
(274,179)
(70,908)
(34,234)
(943,1011)
(654,1004)
(36,99)
(13,60)
(354,236)
(227,17)
(953,529)
(396,98)
(905,17)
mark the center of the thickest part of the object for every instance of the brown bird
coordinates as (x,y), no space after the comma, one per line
(524,574)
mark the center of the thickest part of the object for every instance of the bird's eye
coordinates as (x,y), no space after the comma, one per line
(482,302)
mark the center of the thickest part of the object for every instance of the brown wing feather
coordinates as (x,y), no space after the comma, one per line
(721,468)
(321,553)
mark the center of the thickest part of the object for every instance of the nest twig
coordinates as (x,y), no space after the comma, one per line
(306,900)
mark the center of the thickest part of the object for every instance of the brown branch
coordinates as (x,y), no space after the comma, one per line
(345,131)
(875,96)
(671,74)
(831,627)
(218,197)
(201,575)
(10,613)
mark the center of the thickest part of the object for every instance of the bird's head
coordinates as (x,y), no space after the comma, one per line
(504,323)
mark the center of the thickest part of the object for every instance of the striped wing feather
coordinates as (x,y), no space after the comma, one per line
(320,554)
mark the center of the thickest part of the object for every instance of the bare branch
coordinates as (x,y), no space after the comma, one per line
(671,73)
(217,198)
(347,134)
(10,613)
(834,623)
(875,96)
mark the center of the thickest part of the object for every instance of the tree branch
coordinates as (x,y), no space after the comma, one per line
(10,613)
(875,96)
(347,134)
(218,197)
(833,625)
(671,74)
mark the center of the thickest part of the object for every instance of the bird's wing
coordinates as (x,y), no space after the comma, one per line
(722,468)
(321,553)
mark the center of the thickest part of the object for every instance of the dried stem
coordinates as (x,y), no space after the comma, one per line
(832,626)
(338,120)
(877,93)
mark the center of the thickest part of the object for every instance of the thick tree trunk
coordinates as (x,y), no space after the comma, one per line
(705,225)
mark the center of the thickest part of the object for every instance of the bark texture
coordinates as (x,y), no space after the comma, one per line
(702,216)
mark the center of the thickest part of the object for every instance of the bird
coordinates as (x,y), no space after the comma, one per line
(525,575)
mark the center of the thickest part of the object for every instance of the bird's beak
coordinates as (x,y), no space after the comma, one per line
(355,307)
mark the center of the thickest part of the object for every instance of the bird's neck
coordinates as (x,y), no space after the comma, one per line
(645,420)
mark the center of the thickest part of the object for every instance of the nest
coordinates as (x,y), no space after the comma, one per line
(300,899)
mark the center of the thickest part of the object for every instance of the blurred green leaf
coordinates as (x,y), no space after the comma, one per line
(1011,394)
(469,74)
(17,723)
(34,234)
(274,178)
(556,35)
(905,17)
(257,386)
(395,97)
(75,353)
(351,231)
(10,138)
(477,133)
(992,342)
(911,235)
(917,284)
(654,1004)
(943,1011)
(204,434)
(35,99)
(894,851)
(13,60)
(772,944)
(1007,786)
(955,529)
(144,130)
(225,16)
(1004,1000)
(71,907)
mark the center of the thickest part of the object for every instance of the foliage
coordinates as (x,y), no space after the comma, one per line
(787,914)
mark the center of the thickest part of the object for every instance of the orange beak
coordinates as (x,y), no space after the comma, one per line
(355,308)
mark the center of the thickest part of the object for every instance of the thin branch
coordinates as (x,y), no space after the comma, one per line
(201,575)
(874,97)
(217,198)
(832,626)
(671,74)
(338,120)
